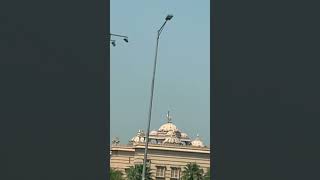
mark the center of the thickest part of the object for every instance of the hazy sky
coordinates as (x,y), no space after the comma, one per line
(183,73)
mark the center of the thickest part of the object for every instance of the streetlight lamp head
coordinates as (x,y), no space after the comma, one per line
(169,17)
(113,43)
(126,39)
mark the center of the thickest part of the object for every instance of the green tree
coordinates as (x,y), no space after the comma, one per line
(207,174)
(135,172)
(192,171)
(116,174)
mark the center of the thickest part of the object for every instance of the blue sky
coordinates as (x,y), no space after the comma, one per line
(183,71)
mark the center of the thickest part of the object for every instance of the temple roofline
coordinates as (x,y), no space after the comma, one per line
(205,150)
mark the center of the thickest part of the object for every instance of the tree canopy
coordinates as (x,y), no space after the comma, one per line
(192,171)
(116,174)
(135,172)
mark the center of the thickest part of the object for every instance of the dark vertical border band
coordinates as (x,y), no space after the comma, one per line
(54,92)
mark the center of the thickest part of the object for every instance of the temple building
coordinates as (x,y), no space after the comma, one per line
(169,151)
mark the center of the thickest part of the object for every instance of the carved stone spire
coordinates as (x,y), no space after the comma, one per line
(116,141)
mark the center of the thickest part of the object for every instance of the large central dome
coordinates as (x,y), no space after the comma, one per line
(168,127)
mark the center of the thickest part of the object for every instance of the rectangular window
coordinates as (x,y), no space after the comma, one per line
(160,171)
(175,173)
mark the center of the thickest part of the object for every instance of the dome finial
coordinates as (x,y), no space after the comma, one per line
(198,137)
(168,117)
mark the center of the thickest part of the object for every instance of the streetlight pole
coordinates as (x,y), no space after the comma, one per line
(151,98)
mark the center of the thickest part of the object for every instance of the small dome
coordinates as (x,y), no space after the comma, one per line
(140,133)
(172,140)
(197,142)
(184,135)
(153,133)
(139,137)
